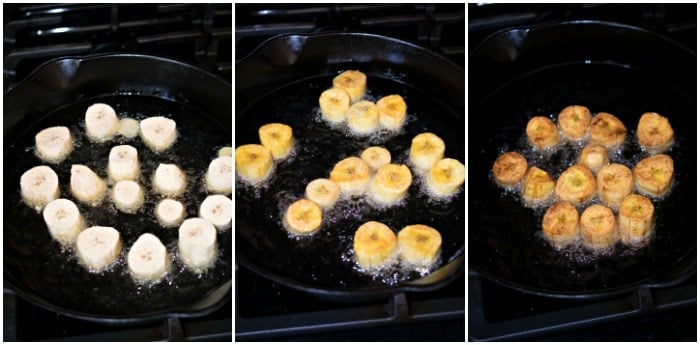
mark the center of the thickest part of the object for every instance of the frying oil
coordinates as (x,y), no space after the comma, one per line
(560,157)
(131,226)
(356,208)
(376,137)
(393,271)
(320,145)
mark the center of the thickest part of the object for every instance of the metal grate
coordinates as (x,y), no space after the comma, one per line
(197,34)
(677,21)
(269,311)
(26,322)
(498,313)
(438,27)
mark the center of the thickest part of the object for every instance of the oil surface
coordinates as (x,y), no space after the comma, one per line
(54,273)
(505,237)
(325,258)
(557,159)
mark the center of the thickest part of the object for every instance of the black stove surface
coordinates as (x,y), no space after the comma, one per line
(269,311)
(676,21)
(24,321)
(438,27)
(501,313)
(35,33)
(200,35)
(659,314)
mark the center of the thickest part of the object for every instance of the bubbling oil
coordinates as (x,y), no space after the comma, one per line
(356,208)
(321,144)
(196,134)
(393,271)
(420,179)
(147,212)
(377,137)
(560,157)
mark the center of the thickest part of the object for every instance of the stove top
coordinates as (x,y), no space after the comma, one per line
(676,21)
(269,311)
(35,33)
(24,321)
(500,313)
(438,27)
(199,35)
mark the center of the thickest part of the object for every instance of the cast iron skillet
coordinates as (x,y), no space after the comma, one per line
(281,82)
(58,93)
(523,72)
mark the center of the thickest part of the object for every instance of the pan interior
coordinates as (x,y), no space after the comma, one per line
(40,266)
(325,259)
(504,236)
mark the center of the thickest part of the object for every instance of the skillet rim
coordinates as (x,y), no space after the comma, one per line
(268,41)
(481,44)
(81,58)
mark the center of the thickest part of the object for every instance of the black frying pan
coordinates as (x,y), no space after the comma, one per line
(523,72)
(281,82)
(58,93)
